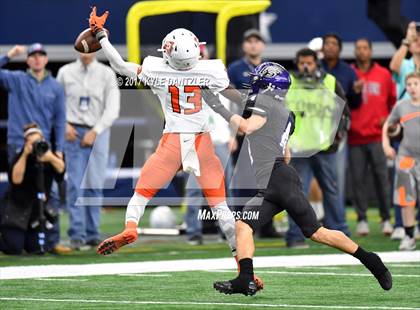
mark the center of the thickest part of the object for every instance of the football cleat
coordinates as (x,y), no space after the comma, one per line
(385,280)
(110,245)
(380,272)
(229,287)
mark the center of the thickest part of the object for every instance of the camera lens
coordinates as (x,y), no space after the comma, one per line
(40,147)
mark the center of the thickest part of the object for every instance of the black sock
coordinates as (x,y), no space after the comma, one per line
(360,253)
(371,261)
(409,231)
(246,274)
(246,267)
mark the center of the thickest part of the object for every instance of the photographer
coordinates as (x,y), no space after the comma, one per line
(31,175)
(316,98)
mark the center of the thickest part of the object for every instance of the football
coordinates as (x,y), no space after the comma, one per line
(87,43)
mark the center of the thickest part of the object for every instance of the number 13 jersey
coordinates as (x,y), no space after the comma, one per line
(180,94)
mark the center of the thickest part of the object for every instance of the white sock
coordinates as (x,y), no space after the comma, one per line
(226,224)
(135,208)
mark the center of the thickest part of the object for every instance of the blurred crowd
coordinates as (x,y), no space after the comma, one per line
(61,125)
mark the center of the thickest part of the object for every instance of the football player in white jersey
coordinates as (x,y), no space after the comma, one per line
(176,79)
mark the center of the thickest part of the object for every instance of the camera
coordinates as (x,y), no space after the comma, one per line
(39,148)
(310,79)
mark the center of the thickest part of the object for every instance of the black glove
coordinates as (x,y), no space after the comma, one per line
(214,103)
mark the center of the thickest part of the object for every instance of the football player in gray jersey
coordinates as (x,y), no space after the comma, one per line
(267,125)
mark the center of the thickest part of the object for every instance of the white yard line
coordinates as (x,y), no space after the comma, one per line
(405,265)
(305,273)
(314,267)
(47,271)
(163,275)
(64,280)
(192,303)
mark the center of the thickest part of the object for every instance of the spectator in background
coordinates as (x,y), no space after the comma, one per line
(307,92)
(34,97)
(20,217)
(93,103)
(406,114)
(331,48)
(365,137)
(344,73)
(253,46)
(401,66)
(239,75)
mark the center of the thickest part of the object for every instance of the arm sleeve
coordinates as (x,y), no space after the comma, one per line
(112,104)
(8,79)
(395,115)
(117,63)
(60,119)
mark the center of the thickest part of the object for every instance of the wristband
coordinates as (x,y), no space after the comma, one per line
(405,42)
(100,35)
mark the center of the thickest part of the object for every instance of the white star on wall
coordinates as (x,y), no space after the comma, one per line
(266,20)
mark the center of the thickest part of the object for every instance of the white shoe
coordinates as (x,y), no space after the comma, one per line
(407,244)
(417,233)
(387,228)
(362,228)
(398,233)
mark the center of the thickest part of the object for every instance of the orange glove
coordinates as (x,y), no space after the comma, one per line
(96,23)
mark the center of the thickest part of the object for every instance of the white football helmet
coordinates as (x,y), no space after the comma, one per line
(181,49)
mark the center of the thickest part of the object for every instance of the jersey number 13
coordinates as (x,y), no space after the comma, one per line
(193,95)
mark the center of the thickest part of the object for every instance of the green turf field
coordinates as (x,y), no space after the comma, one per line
(336,287)
(163,248)
(292,288)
